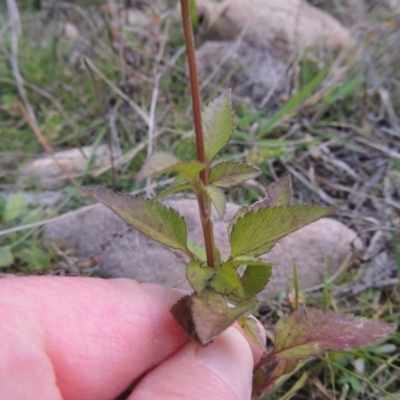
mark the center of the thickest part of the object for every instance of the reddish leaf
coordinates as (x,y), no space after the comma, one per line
(206,316)
(212,315)
(251,329)
(311,332)
(277,194)
(277,368)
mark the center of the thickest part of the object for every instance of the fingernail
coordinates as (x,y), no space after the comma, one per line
(230,358)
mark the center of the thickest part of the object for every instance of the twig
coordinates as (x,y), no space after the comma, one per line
(42,140)
(26,107)
(103,112)
(152,125)
(15,32)
(388,152)
(324,196)
(81,210)
(126,157)
(47,96)
(118,91)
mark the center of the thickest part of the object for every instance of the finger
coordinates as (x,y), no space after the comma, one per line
(98,335)
(221,371)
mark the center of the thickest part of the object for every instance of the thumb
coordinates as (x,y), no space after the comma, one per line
(220,371)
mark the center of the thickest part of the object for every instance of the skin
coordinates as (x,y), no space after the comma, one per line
(84,338)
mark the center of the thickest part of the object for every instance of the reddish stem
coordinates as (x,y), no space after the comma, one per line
(204,204)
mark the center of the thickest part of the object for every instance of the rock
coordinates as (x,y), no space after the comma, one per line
(280,28)
(394,5)
(249,72)
(317,249)
(68,30)
(46,171)
(122,15)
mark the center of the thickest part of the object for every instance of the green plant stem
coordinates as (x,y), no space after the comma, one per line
(204,205)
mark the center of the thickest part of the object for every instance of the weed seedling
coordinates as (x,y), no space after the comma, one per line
(222,293)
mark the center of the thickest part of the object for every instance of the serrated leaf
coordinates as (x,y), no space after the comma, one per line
(248,260)
(310,332)
(212,315)
(153,219)
(173,190)
(196,250)
(198,276)
(163,162)
(218,121)
(15,207)
(6,257)
(182,313)
(251,329)
(228,174)
(180,179)
(239,214)
(257,232)
(281,367)
(226,280)
(205,317)
(255,278)
(156,164)
(218,199)
(277,194)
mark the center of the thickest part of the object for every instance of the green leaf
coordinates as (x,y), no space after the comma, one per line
(206,316)
(218,121)
(198,276)
(173,190)
(15,208)
(226,280)
(6,257)
(248,260)
(251,329)
(157,163)
(162,163)
(278,194)
(255,278)
(198,251)
(239,214)
(228,174)
(257,232)
(218,198)
(180,179)
(310,332)
(152,218)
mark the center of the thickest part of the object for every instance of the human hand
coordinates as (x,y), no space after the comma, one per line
(85,338)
